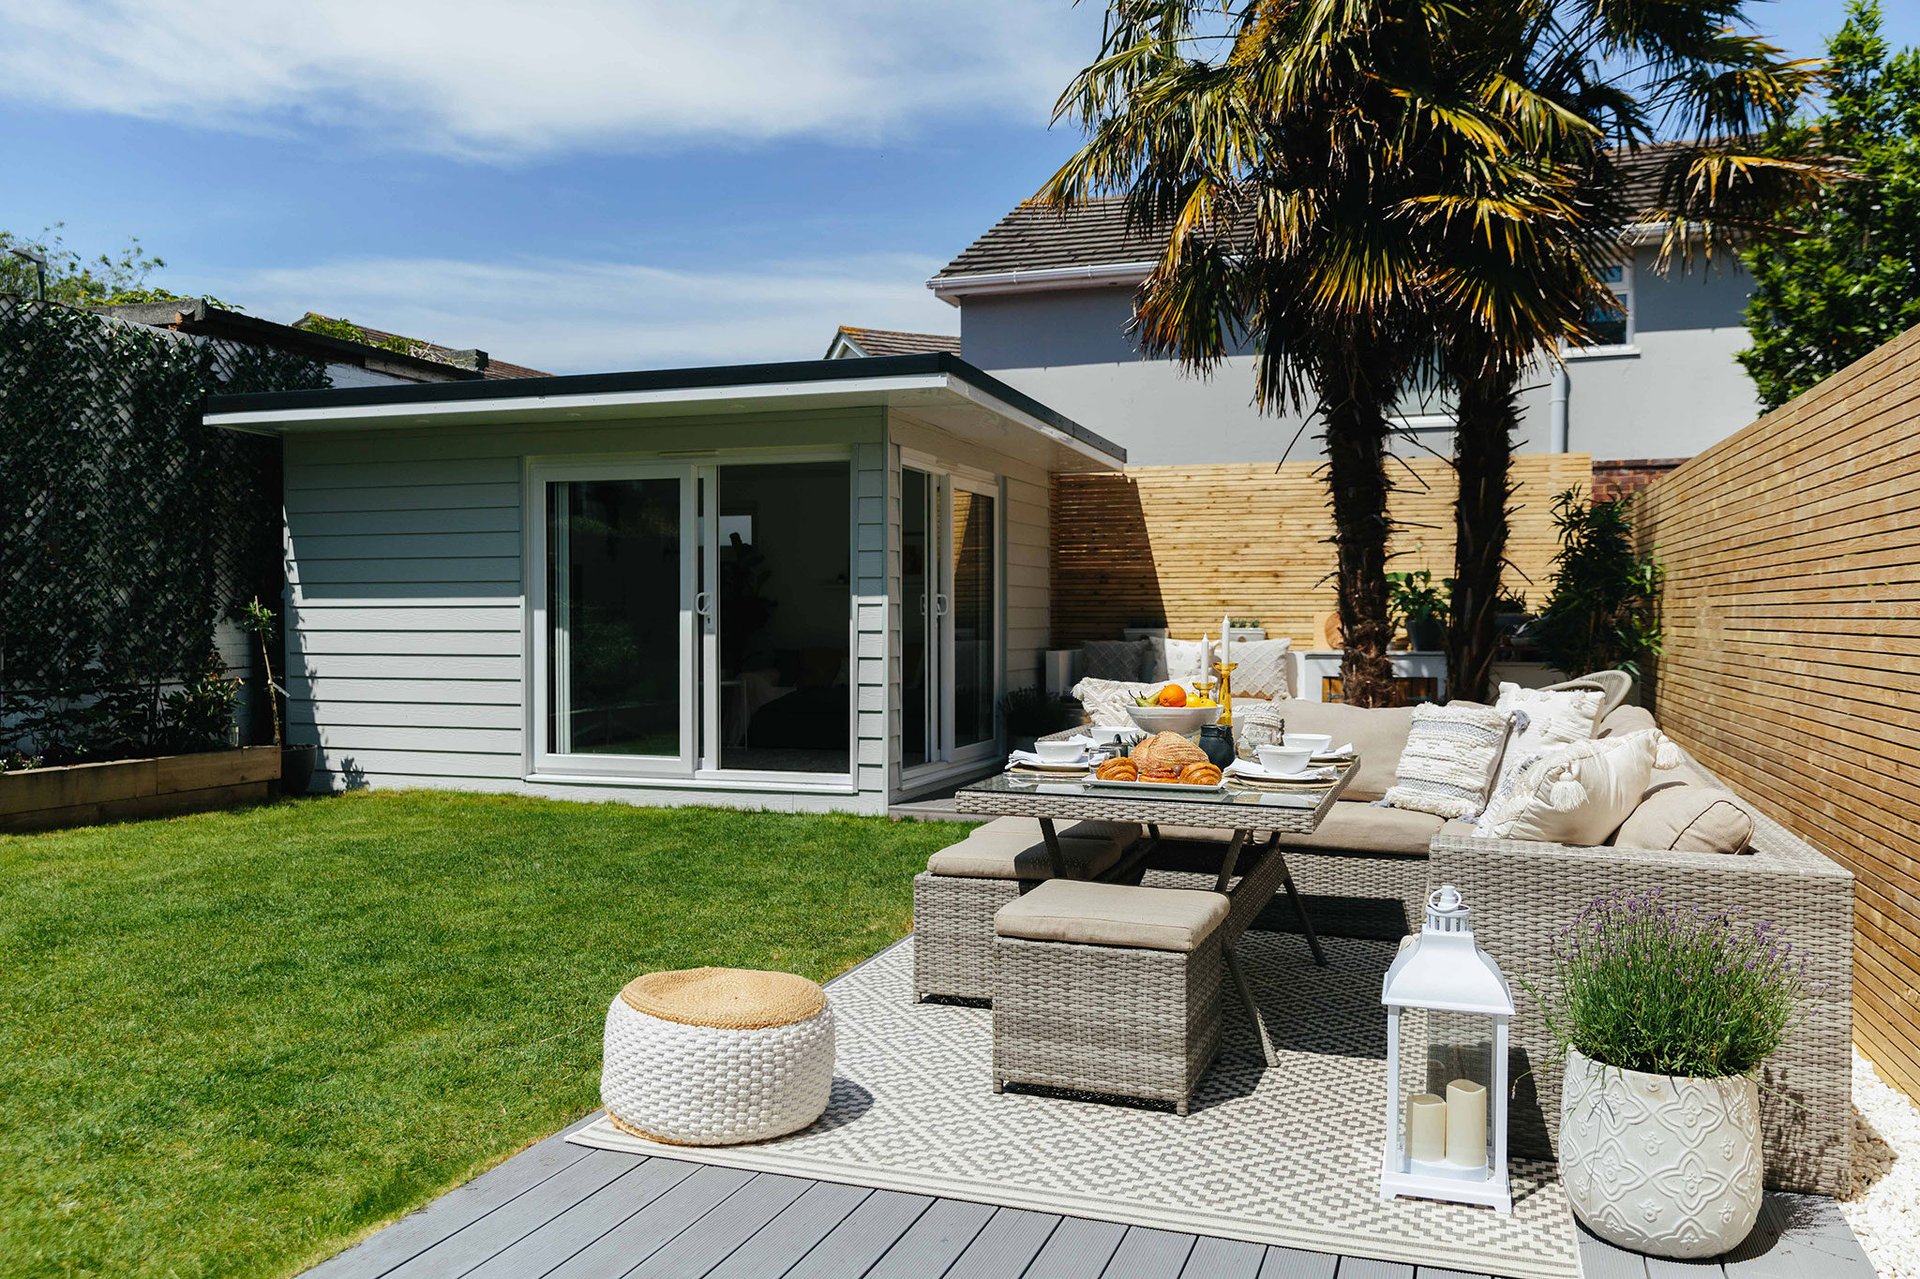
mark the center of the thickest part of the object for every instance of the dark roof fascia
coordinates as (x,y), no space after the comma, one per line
(195,316)
(715,377)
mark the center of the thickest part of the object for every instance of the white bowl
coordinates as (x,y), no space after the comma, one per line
(1283,760)
(1173,719)
(1060,752)
(1315,743)
(1108,734)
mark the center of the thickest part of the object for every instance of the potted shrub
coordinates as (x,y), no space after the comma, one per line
(1664,1014)
(1420,606)
(296,762)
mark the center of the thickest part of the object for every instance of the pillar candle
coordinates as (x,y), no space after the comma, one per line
(1426,1127)
(1466,1124)
(1226,640)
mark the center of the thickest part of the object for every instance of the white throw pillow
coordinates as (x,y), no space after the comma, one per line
(1106,700)
(1178,661)
(1576,794)
(1260,668)
(1546,719)
(1452,756)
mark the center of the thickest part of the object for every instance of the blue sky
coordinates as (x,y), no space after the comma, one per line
(581,184)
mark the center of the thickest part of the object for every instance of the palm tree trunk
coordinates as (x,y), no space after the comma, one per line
(1483,453)
(1358,486)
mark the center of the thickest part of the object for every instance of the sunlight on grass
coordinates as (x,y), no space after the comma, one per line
(231,1043)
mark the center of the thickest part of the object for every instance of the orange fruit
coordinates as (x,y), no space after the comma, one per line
(1173,695)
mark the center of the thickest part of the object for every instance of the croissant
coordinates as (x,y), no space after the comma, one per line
(1200,775)
(1166,753)
(1120,769)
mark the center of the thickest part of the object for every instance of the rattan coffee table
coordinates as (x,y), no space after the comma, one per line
(1240,811)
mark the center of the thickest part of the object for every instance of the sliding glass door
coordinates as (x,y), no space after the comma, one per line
(694,621)
(950,628)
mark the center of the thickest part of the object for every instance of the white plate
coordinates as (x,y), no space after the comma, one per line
(1305,777)
(1030,766)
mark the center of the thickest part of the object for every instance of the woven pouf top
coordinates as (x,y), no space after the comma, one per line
(726,998)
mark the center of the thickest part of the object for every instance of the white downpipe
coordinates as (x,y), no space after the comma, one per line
(1557,412)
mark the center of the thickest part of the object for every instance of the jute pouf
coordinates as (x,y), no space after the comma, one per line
(717,1056)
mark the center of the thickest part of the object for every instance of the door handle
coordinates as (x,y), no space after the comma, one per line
(940,605)
(703,604)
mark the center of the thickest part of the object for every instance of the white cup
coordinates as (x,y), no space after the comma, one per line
(1282,760)
(1059,752)
(1315,743)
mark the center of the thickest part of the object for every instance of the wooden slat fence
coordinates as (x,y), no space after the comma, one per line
(1792,667)
(1183,545)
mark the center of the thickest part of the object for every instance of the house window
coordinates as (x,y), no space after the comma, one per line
(1613,326)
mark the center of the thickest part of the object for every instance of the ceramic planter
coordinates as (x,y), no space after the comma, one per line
(1661,1164)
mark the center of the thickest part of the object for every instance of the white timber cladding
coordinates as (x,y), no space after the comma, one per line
(407,642)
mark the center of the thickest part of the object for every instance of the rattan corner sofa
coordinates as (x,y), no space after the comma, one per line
(1367,868)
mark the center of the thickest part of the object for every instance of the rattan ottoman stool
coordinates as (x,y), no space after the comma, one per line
(717,1056)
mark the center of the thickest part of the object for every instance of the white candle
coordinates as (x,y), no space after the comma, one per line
(1427,1127)
(1466,1124)
(1226,640)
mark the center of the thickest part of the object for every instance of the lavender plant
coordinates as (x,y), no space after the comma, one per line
(1642,984)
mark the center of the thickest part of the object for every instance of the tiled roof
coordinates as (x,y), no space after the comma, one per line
(1036,238)
(896,342)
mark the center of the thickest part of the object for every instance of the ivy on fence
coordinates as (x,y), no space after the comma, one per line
(128,527)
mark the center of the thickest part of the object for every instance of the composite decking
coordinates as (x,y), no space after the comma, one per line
(568,1212)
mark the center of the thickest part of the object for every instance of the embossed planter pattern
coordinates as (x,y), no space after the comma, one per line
(1661,1164)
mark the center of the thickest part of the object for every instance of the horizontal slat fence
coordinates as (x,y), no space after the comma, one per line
(1188,544)
(1792,663)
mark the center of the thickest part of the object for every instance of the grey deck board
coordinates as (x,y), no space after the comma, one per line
(1668,1268)
(1601,1260)
(654,1226)
(864,1237)
(1078,1249)
(1292,1263)
(1006,1245)
(1432,1272)
(779,1244)
(460,1207)
(563,1236)
(1150,1254)
(1368,1268)
(518,1217)
(934,1242)
(736,1219)
(1224,1259)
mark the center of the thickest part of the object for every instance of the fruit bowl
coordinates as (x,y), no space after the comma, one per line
(1174,719)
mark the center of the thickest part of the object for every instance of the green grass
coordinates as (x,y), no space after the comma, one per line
(232,1043)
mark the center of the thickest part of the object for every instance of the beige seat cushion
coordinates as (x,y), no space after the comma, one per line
(1379,735)
(1066,910)
(1687,819)
(1354,827)
(1624,720)
(1017,851)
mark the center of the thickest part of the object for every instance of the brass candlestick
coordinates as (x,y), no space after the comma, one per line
(1226,690)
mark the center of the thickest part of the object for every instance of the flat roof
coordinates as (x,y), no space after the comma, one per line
(799,383)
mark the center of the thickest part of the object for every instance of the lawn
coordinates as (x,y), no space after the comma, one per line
(232,1043)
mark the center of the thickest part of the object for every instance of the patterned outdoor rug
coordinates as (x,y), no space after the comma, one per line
(1285,1155)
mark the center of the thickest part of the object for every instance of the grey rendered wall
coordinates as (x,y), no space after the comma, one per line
(1680,393)
(406,656)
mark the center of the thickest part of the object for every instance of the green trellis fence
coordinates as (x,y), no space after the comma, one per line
(128,528)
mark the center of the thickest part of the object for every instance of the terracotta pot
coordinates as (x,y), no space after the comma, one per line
(1661,1164)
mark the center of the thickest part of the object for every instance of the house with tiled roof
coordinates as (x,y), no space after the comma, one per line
(1046,304)
(853,343)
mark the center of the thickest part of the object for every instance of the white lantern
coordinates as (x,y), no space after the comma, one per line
(1448,1140)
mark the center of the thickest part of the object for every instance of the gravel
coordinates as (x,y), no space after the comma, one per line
(1884,1210)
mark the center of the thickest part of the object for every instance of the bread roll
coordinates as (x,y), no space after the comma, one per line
(1165,753)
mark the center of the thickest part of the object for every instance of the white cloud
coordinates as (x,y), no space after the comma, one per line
(506,78)
(568,317)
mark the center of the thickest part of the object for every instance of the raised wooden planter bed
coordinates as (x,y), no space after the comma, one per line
(83,794)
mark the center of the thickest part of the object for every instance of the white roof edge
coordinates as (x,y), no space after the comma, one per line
(950,287)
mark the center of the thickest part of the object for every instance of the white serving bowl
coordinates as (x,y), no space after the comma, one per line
(1174,719)
(1315,743)
(1060,752)
(1283,760)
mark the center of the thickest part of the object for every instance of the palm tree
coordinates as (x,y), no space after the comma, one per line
(1627,72)
(1309,160)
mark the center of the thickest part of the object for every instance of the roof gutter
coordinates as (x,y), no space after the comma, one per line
(951,288)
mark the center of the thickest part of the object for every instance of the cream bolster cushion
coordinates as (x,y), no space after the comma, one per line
(1576,794)
(1089,914)
(1688,819)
